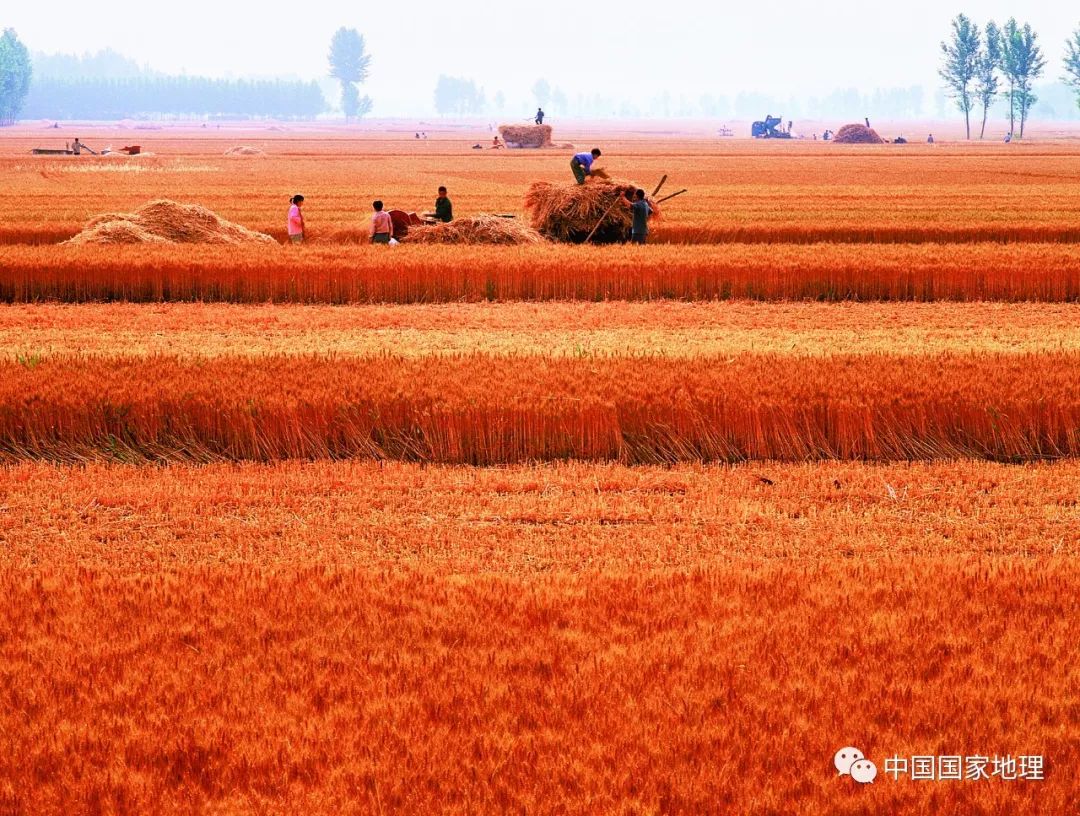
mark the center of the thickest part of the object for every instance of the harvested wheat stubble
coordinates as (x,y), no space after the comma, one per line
(244,151)
(569,212)
(526,135)
(167,222)
(477,229)
(857,134)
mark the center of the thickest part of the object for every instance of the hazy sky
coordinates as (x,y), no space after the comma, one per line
(632,48)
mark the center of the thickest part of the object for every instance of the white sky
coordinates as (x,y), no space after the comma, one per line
(625,48)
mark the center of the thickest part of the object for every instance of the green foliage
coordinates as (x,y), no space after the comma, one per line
(1022,63)
(15,72)
(1072,63)
(960,66)
(349,63)
(349,60)
(172,96)
(542,91)
(987,65)
(455,95)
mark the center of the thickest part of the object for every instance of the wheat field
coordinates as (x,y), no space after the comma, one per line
(624,530)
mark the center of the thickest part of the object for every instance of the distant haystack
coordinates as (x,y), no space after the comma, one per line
(166,222)
(569,212)
(244,151)
(526,135)
(857,134)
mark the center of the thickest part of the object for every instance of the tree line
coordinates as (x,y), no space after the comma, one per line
(52,98)
(981,64)
(71,94)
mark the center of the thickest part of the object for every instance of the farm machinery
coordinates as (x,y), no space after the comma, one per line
(769,129)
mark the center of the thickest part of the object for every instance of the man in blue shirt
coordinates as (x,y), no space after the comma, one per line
(582,163)
(641,212)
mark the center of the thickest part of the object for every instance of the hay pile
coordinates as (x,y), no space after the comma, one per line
(568,212)
(166,222)
(526,135)
(857,134)
(478,229)
(244,151)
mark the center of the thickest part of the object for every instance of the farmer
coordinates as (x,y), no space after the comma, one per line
(77,147)
(382,227)
(641,211)
(539,116)
(296,219)
(444,210)
(582,164)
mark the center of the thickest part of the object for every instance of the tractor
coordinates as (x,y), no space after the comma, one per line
(769,129)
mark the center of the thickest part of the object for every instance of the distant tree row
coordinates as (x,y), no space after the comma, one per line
(981,64)
(454,95)
(172,96)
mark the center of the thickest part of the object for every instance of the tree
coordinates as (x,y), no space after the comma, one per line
(1022,63)
(542,91)
(15,74)
(456,95)
(961,54)
(1072,63)
(988,62)
(349,63)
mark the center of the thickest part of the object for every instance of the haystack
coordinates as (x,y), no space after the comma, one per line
(568,212)
(166,222)
(526,135)
(857,134)
(244,151)
(477,229)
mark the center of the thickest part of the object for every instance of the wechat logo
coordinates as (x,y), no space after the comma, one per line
(853,762)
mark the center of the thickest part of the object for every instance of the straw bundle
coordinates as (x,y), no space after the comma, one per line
(857,134)
(243,151)
(478,229)
(569,212)
(167,222)
(526,135)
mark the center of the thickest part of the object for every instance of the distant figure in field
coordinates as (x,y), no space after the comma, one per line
(790,124)
(539,116)
(444,210)
(496,143)
(77,147)
(382,227)
(930,139)
(868,121)
(582,163)
(296,219)
(641,211)
(1008,138)
(418,134)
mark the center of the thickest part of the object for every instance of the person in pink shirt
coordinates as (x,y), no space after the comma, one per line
(296,220)
(382,227)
